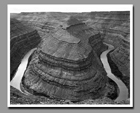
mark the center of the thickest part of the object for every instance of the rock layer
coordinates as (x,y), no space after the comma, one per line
(116,27)
(66,69)
(120,65)
(22,39)
(96,41)
(64,82)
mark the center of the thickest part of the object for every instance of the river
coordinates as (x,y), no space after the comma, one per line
(16,81)
(123,91)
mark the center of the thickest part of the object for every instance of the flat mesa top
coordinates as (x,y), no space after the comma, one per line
(63,35)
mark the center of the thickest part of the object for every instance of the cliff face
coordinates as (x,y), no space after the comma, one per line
(121,54)
(22,39)
(116,29)
(66,67)
(96,41)
(119,61)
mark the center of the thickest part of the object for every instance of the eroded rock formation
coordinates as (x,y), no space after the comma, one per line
(22,39)
(65,66)
(96,42)
(119,61)
(116,29)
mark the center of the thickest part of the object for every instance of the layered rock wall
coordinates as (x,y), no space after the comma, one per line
(65,80)
(66,69)
(96,41)
(22,40)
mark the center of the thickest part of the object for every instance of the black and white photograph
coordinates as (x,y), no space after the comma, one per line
(70,55)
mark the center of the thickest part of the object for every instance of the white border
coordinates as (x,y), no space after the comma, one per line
(17,8)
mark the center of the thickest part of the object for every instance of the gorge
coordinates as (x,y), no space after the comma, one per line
(73,59)
(123,91)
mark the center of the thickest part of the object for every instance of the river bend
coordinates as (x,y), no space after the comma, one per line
(123,91)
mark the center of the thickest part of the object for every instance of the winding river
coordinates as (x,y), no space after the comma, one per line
(20,72)
(123,93)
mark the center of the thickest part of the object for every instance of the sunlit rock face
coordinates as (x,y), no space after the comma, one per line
(65,66)
(22,39)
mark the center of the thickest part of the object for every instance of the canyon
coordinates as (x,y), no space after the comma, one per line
(66,64)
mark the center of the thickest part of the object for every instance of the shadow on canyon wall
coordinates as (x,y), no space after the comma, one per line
(117,72)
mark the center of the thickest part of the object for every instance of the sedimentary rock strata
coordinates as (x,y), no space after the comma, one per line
(116,27)
(121,54)
(114,22)
(96,41)
(66,67)
(66,64)
(120,57)
(119,61)
(22,39)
